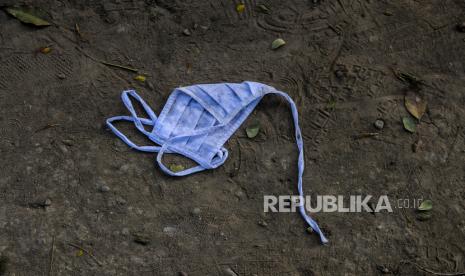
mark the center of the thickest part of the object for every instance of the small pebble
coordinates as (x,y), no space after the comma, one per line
(125,231)
(263,223)
(379,124)
(196,211)
(67,142)
(383,269)
(124,168)
(182,273)
(104,189)
(186,32)
(120,201)
(63,148)
(240,194)
(169,230)
(61,76)
(47,202)
(230,272)
(137,260)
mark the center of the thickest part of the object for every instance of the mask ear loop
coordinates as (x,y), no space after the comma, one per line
(128,103)
(219,158)
(138,122)
(216,161)
(125,139)
(188,171)
(300,145)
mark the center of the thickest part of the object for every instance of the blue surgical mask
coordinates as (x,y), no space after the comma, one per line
(197,121)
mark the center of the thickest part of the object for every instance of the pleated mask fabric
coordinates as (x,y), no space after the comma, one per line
(196,122)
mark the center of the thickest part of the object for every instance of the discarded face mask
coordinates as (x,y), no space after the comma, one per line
(196,122)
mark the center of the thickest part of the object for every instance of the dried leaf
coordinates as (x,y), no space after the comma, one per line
(140,78)
(426,205)
(45,50)
(141,238)
(411,79)
(409,124)
(26,17)
(78,31)
(415,104)
(252,131)
(331,104)
(176,168)
(80,253)
(262,8)
(424,216)
(240,7)
(277,43)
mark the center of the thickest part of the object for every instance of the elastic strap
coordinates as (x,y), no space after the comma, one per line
(138,122)
(128,103)
(216,161)
(300,145)
(195,169)
(126,139)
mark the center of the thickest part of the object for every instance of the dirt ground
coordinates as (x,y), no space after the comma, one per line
(77,201)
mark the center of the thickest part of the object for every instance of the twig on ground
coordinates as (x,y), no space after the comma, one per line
(46,127)
(107,63)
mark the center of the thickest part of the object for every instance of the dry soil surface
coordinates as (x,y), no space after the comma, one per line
(111,211)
